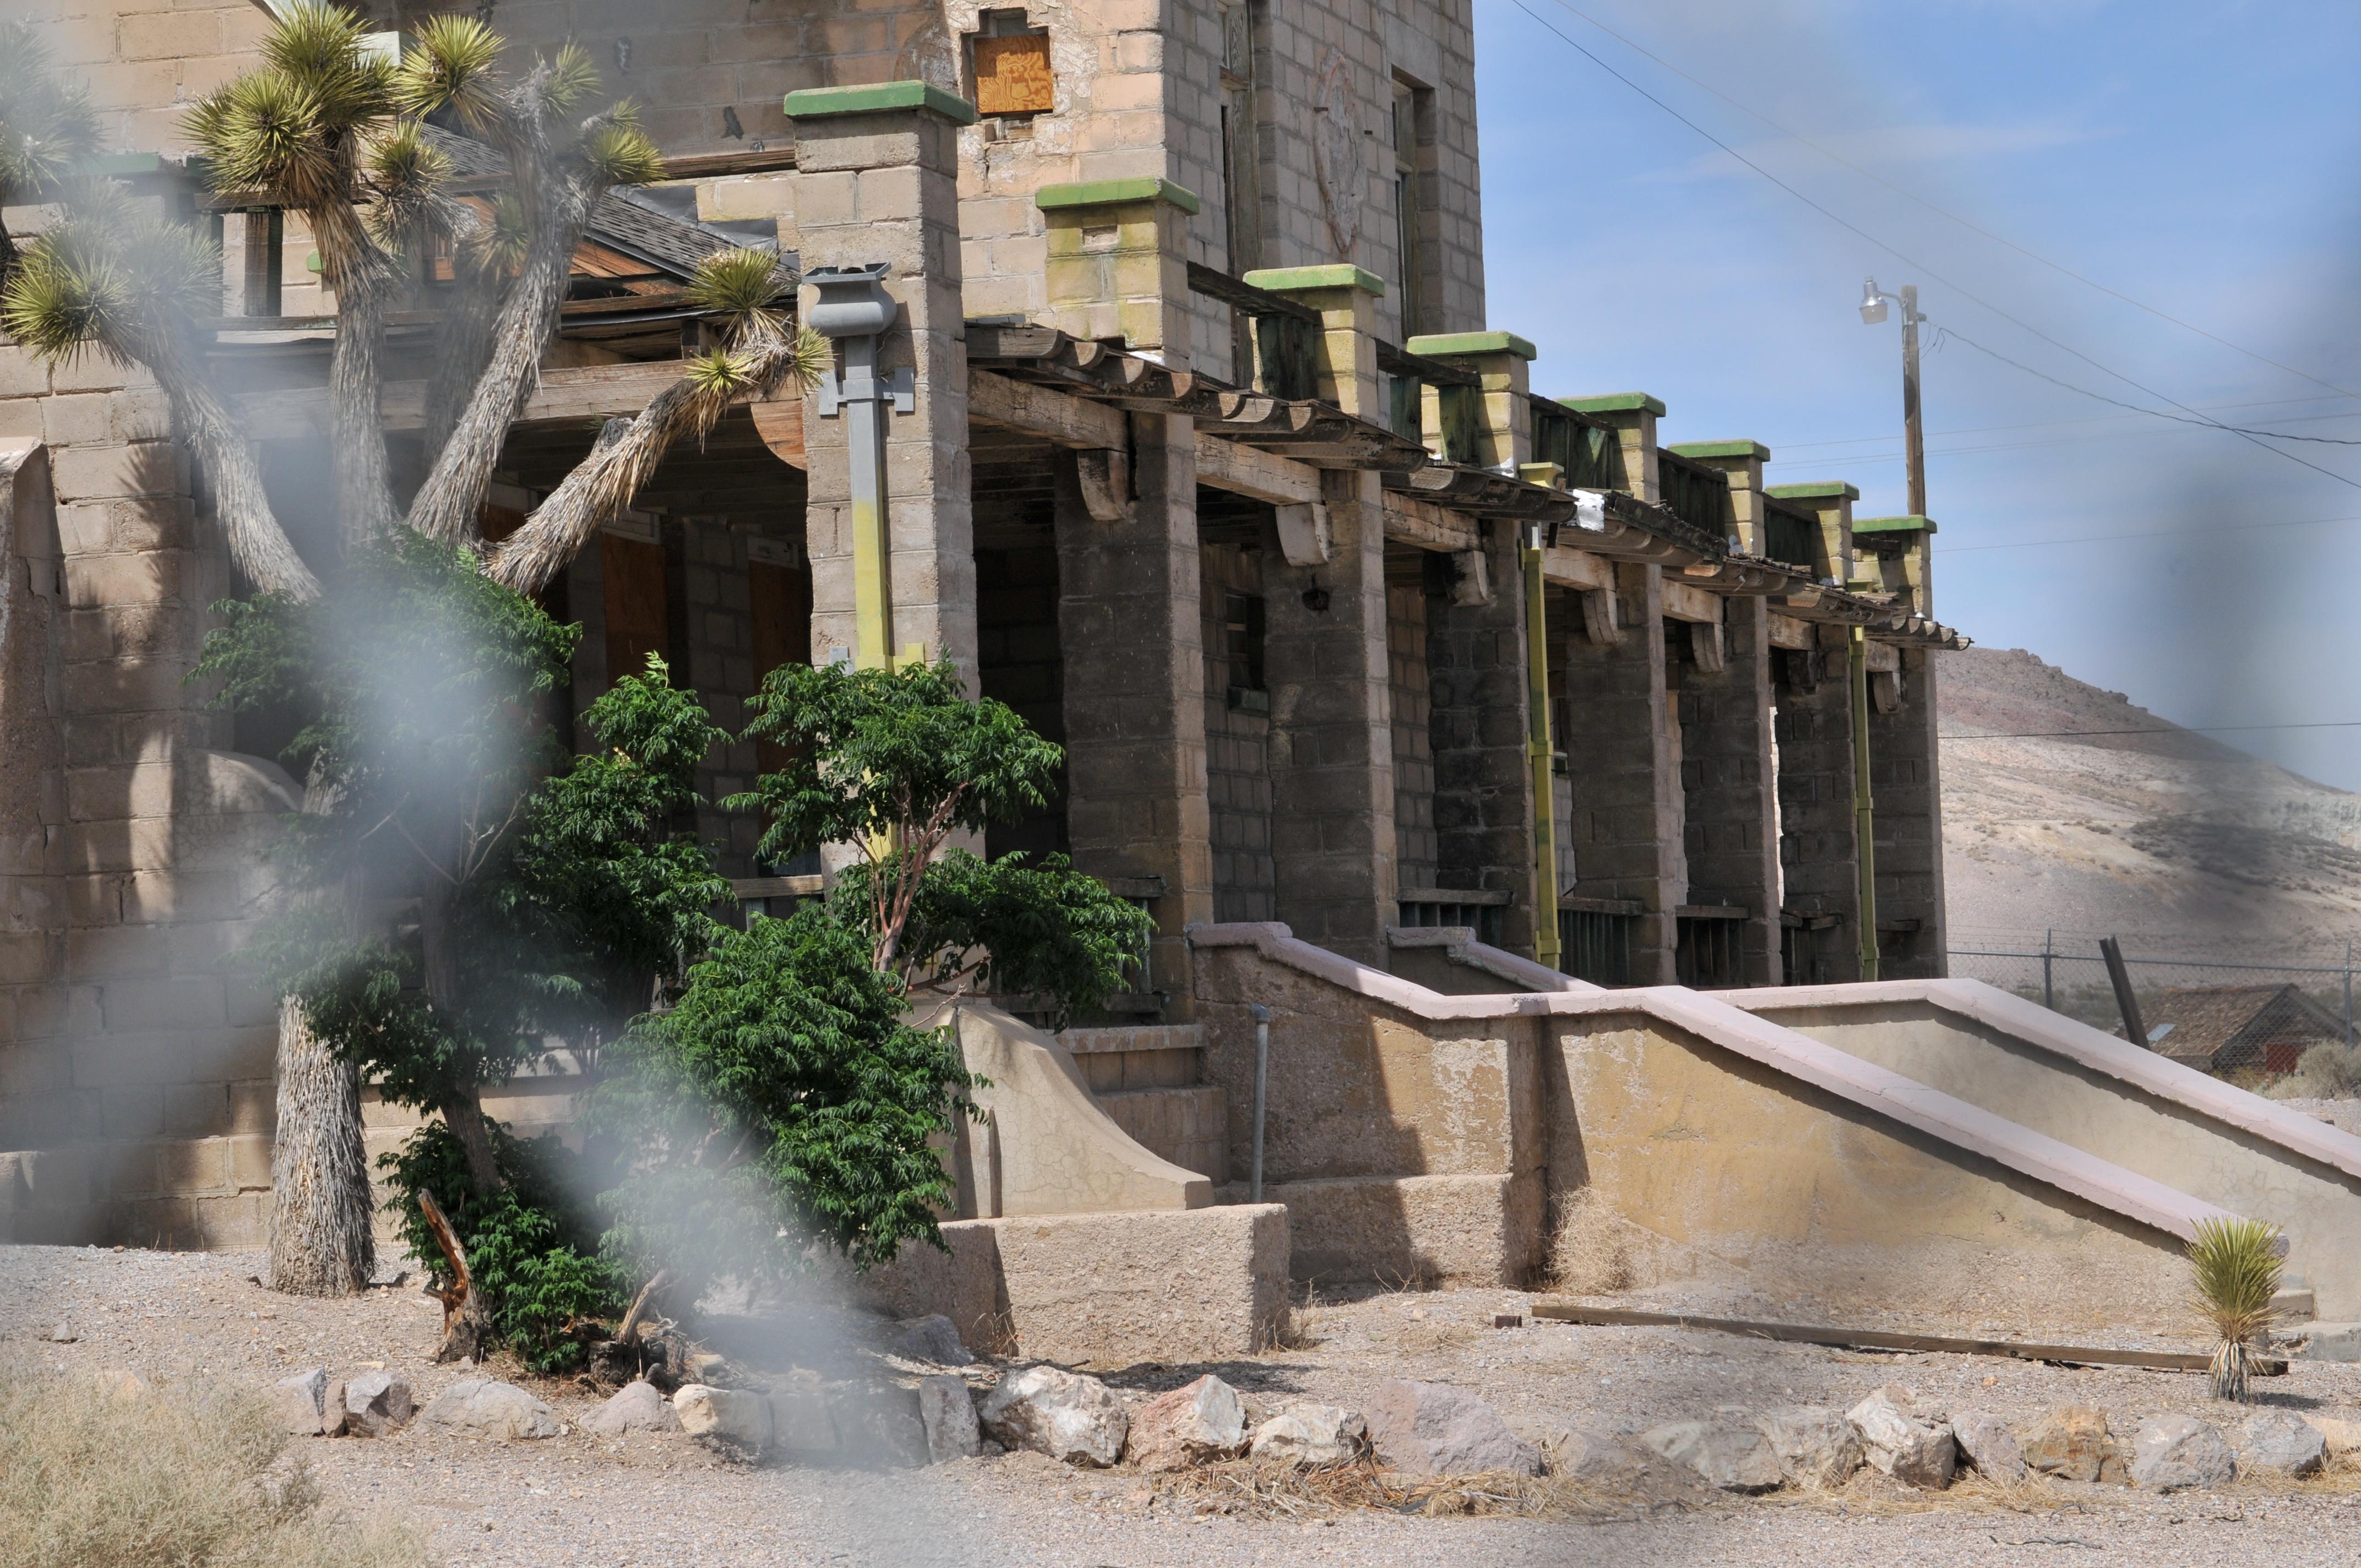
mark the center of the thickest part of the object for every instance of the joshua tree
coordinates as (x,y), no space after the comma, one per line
(2236,1265)
(339,134)
(46,126)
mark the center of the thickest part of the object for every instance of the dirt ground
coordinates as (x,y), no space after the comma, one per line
(577,1500)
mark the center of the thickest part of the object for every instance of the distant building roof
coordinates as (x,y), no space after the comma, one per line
(2221,1028)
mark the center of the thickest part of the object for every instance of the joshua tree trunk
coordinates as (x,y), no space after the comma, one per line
(321,1240)
(203,422)
(364,496)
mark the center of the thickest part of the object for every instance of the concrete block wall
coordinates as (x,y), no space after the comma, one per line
(719,637)
(1816,859)
(1729,816)
(1238,751)
(1417,849)
(1484,788)
(1905,783)
(1622,760)
(1021,663)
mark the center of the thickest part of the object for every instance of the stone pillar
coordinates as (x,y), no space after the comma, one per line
(1731,822)
(1332,838)
(1133,645)
(1741,462)
(1118,265)
(1817,855)
(1618,748)
(1830,500)
(1480,685)
(1634,416)
(1904,771)
(877,180)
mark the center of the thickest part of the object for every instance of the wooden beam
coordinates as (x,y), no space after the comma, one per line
(1565,1312)
(1409,521)
(1250,471)
(1884,659)
(1788,632)
(1564,568)
(1693,604)
(583,395)
(1038,411)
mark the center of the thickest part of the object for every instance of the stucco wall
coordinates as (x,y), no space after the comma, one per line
(2012,1059)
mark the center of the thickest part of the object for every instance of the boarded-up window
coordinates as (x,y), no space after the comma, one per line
(1012,75)
(636,624)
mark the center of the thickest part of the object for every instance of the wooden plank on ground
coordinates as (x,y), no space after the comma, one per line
(1880,1338)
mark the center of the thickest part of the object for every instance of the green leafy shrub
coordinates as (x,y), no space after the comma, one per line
(2235,1266)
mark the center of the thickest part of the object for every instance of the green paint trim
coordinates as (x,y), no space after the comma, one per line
(119,164)
(1817,489)
(313,263)
(1701,449)
(818,103)
(1894,525)
(1616,403)
(1441,345)
(1343,274)
(1108,192)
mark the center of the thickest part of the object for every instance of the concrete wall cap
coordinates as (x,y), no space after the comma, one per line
(1786,1051)
(1704,449)
(1443,345)
(1894,525)
(1815,489)
(817,102)
(1460,946)
(1343,274)
(1616,403)
(1109,192)
(2094,1048)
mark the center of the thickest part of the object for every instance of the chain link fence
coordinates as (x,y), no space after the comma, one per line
(2064,971)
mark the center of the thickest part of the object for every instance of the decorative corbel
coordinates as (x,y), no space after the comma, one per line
(1304,536)
(1105,474)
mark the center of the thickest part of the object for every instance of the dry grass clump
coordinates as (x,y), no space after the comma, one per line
(1259,1490)
(2327,1071)
(1591,1251)
(190,1475)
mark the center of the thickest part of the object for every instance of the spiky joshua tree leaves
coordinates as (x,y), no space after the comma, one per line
(46,125)
(2235,1264)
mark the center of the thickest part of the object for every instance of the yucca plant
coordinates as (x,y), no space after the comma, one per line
(47,125)
(746,287)
(2235,1264)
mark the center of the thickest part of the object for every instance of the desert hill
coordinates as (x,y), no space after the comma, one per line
(2164,833)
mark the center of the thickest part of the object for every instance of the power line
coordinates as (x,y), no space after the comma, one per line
(1951,335)
(2152,533)
(2053,424)
(2169,729)
(1855,229)
(1967,223)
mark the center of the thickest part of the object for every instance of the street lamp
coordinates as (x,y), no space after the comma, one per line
(1872,312)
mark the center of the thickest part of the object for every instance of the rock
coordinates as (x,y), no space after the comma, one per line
(1900,1445)
(2176,1451)
(1986,1443)
(484,1407)
(1596,1459)
(1433,1429)
(1732,1457)
(874,1423)
(931,1339)
(801,1420)
(1815,1445)
(1063,1414)
(2330,1342)
(947,1411)
(1311,1434)
(332,1410)
(1189,1426)
(730,1416)
(639,1407)
(121,1383)
(301,1402)
(2069,1442)
(64,1332)
(2343,1437)
(2280,1442)
(376,1403)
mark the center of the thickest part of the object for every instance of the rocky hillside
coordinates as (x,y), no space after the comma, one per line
(2162,832)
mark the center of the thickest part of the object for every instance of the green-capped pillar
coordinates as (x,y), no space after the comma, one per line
(1118,264)
(1741,462)
(1831,501)
(1501,363)
(1346,297)
(1634,416)
(877,181)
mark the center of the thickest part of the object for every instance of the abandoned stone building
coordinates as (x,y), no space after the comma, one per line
(1355,617)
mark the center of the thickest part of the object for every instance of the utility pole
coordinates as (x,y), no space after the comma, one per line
(1913,434)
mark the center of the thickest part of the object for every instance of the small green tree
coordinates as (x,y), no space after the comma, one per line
(2235,1264)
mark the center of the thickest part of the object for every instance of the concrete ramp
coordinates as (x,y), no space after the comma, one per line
(2109,1099)
(1414,1133)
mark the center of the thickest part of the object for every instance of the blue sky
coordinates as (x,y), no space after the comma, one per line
(2201,160)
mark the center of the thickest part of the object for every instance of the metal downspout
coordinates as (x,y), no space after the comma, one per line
(1542,757)
(1863,812)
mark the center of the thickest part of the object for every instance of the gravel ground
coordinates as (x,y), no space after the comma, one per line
(579,1500)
